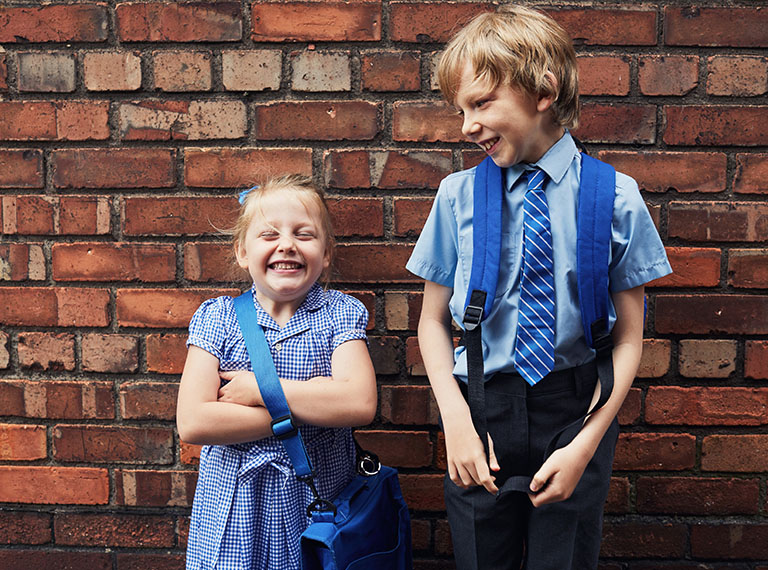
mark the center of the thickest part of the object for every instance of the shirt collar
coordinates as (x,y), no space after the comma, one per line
(315,299)
(554,163)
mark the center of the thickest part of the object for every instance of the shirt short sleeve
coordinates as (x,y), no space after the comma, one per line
(349,317)
(208,327)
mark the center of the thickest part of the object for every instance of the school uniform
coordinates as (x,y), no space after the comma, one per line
(249,509)
(493,535)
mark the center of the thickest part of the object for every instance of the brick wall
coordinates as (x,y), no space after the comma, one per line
(125,128)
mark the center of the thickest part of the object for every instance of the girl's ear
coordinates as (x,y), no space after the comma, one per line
(549,94)
(241,255)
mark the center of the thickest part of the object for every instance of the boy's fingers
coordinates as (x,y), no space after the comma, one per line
(492,461)
(540,479)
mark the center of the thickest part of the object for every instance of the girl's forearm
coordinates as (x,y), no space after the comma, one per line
(224,423)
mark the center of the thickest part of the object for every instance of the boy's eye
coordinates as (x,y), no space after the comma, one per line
(481,103)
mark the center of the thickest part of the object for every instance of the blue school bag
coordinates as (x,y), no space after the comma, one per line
(597,191)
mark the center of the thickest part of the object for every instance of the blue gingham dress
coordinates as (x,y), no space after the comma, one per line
(249,509)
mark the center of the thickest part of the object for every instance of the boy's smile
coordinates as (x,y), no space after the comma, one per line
(509,124)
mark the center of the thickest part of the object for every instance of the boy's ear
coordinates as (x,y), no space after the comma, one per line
(549,93)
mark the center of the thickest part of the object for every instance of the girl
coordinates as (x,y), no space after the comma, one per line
(249,509)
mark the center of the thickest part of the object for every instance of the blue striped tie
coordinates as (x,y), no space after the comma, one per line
(535,345)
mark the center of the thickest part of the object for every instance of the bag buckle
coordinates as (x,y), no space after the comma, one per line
(473,314)
(283,428)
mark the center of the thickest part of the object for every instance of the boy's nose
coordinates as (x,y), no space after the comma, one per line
(469,127)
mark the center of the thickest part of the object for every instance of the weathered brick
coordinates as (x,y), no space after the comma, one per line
(402,310)
(178,216)
(22,262)
(655,452)
(347,168)
(398,448)
(21,559)
(712,313)
(321,71)
(25,528)
(182,120)
(697,496)
(736,453)
(22,442)
(148,400)
(23,306)
(413,359)
(347,213)
(617,123)
(21,169)
(54,120)
(419,121)
(732,541)
(189,454)
(748,268)
(28,214)
(242,167)
(54,23)
(80,307)
(166,353)
(46,72)
(155,488)
(113,262)
(423,492)
(84,215)
(46,351)
(618,496)
(43,485)
(110,353)
(114,444)
(408,405)
(176,70)
(179,21)
(707,358)
(251,70)
(718,221)
(644,540)
(428,23)
(4,355)
(674,405)
(161,307)
(128,168)
(692,267)
(385,354)
(3,73)
(603,75)
(211,262)
(715,125)
(391,71)
(737,76)
(710,26)
(668,74)
(410,215)
(409,169)
(328,21)
(57,400)
(373,262)
(756,359)
(317,120)
(751,174)
(631,409)
(112,71)
(57,215)
(592,26)
(141,561)
(114,530)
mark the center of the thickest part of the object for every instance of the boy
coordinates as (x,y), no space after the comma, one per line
(512,77)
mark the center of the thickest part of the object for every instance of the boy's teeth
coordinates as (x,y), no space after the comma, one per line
(487,146)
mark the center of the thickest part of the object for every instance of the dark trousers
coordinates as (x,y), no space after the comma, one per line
(508,533)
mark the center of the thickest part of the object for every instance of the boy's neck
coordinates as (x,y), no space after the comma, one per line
(547,139)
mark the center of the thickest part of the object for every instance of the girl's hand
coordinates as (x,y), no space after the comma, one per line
(241,388)
(558,477)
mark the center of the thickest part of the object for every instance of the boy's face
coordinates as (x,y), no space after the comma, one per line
(509,124)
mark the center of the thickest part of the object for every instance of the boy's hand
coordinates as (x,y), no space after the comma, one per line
(558,477)
(467,465)
(241,388)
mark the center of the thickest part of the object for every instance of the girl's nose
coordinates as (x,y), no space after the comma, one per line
(286,243)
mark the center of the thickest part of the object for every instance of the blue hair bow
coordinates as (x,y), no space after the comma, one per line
(244,193)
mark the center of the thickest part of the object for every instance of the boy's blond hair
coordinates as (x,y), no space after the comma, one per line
(516,46)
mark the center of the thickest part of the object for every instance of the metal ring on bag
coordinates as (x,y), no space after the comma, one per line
(368,464)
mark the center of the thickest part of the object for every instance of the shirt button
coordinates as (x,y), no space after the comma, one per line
(278,346)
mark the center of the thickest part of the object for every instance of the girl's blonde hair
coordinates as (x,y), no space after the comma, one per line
(515,46)
(306,191)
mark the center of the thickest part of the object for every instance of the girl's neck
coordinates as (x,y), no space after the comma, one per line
(280,311)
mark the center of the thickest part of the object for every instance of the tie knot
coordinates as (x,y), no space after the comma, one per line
(536,179)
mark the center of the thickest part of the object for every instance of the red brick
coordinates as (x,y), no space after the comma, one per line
(4,355)
(23,306)
(54,23)
(166,353)
(46,72)
(142,561)
(59,559)
(317,71)
(328,21)
(618,496)
(398,448)
(408,405)
(189,454)
(84,215)
(421,534)
(21,169)
(179,22)
(204,262)
(385,354)
(114,530)
(348,213)
(420,121)
(57,400)
(732,541)
(242,167)
(82,307)
(148,400)
(692,266)
(113,262)
(110,353)
(28,214)
(617,123)
(707,314)
(734,27)
(183,120)
(54,121)
(413,360)
(402,310)
(11,398)
(112,71)
(22,262)
(736,453)
(391,71)
(718,221)
(373,262)
(603,75)
(368,299)
(162,307)
(25,528)
(317,120)
(756,359)
(591,26)
(631,409)
(46,351)
(655,360)
(430,22)
(251,70)
(54,485)
(410,215)
(423,492)
(164,216)
(655,452)
(715,125)
(409,169)
(751,174)
(114,444)
(737,76)
(705,358)
(3,73)
(668,74)
(176,71)
(673,405)
(644,540)
(128,168)
(155,488)
(22,442)
(347,168)
(697,496)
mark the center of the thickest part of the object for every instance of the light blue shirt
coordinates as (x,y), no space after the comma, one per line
(443,254)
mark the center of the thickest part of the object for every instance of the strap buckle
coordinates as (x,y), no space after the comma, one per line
(283,427)
(602,341)
(473,314)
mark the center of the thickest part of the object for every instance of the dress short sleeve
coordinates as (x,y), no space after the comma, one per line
(349,317)
(208,328)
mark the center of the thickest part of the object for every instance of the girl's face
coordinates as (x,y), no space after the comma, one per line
(284,250)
